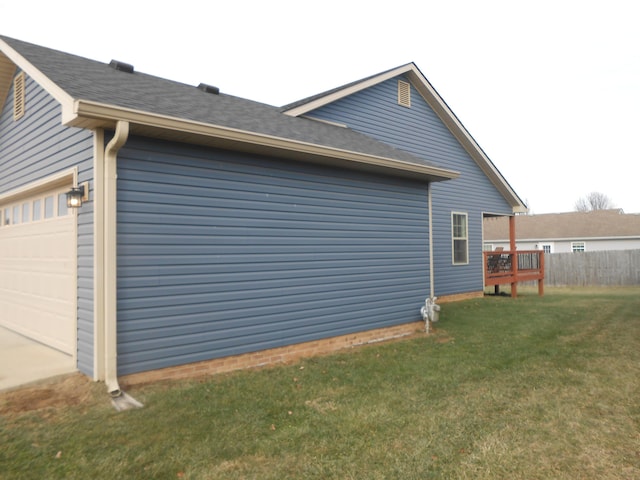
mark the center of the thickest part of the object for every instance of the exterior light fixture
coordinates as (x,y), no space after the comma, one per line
(77,195)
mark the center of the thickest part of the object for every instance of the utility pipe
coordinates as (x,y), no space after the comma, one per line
(110,257)
(432,287)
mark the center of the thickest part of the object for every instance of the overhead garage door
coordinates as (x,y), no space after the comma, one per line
(37,268)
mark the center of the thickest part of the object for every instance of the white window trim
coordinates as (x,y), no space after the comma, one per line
(541,246)
(453,239)
(576,244)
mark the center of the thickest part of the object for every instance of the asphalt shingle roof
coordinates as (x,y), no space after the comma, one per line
(90,80)
(594,224)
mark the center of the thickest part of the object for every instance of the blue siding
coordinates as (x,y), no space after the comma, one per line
(420,131)
(35,147)
(221,253)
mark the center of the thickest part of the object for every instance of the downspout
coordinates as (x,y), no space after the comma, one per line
(120,399)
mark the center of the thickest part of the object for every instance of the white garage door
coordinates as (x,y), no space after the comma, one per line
(37,268)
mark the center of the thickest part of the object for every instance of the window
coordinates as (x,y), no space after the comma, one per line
(25,213)
(577,246)
(460,238)
(48,207)
(37,209)
(62,204)
(16,214)
(546,248)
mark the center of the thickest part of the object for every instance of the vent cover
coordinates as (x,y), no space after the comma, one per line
(404,93)
(209,88)
(121,66)
(18,97)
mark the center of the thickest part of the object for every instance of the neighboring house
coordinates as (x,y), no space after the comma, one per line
(214,226)
(567,232)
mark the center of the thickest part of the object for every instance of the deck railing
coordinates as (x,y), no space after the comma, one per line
(500,268)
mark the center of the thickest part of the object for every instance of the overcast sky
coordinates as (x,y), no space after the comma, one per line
(549,89)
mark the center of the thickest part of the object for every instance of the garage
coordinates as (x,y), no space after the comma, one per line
(37,266)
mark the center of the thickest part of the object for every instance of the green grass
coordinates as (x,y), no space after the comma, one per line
(531,388)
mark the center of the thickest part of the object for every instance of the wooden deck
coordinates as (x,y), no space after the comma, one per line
(501,269)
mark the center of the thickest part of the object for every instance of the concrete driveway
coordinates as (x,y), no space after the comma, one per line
(24,361)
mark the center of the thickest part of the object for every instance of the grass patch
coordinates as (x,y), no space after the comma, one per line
(531,388)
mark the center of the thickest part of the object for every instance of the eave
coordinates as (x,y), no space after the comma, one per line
(10,59)
(7,72)
(93,115)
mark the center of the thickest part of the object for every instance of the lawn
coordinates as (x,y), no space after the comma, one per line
(526,388)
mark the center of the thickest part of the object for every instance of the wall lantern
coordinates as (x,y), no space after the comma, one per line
(77,195)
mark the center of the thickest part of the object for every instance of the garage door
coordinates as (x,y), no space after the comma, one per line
(37,264)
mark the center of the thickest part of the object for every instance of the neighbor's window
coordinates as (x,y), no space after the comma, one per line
(460,237)
(577,246)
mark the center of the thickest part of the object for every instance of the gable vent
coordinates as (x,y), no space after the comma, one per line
(209,88)
(18,97)
(404,94)
(121,66)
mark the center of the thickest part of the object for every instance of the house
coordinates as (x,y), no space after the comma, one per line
(596,230)
(213,228)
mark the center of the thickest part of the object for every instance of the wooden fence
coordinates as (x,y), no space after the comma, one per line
(607,268)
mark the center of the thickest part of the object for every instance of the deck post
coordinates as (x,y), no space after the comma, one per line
(541,280)
(514,260)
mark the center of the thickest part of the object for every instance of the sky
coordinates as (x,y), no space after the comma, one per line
(549,89)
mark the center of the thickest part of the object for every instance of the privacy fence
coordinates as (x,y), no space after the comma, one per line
(620,267)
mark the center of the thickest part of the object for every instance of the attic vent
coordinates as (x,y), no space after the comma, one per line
(404,94)
(121,66)
(209,88)
(18,97)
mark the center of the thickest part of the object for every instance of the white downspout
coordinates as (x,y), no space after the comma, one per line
(110,257)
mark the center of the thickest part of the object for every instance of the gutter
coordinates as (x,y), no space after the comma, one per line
(120,399)
(88,114)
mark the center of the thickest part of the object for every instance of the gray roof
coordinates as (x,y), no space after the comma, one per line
(570,225)
(85,79)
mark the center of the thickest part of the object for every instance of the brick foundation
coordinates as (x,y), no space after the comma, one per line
(273,356)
